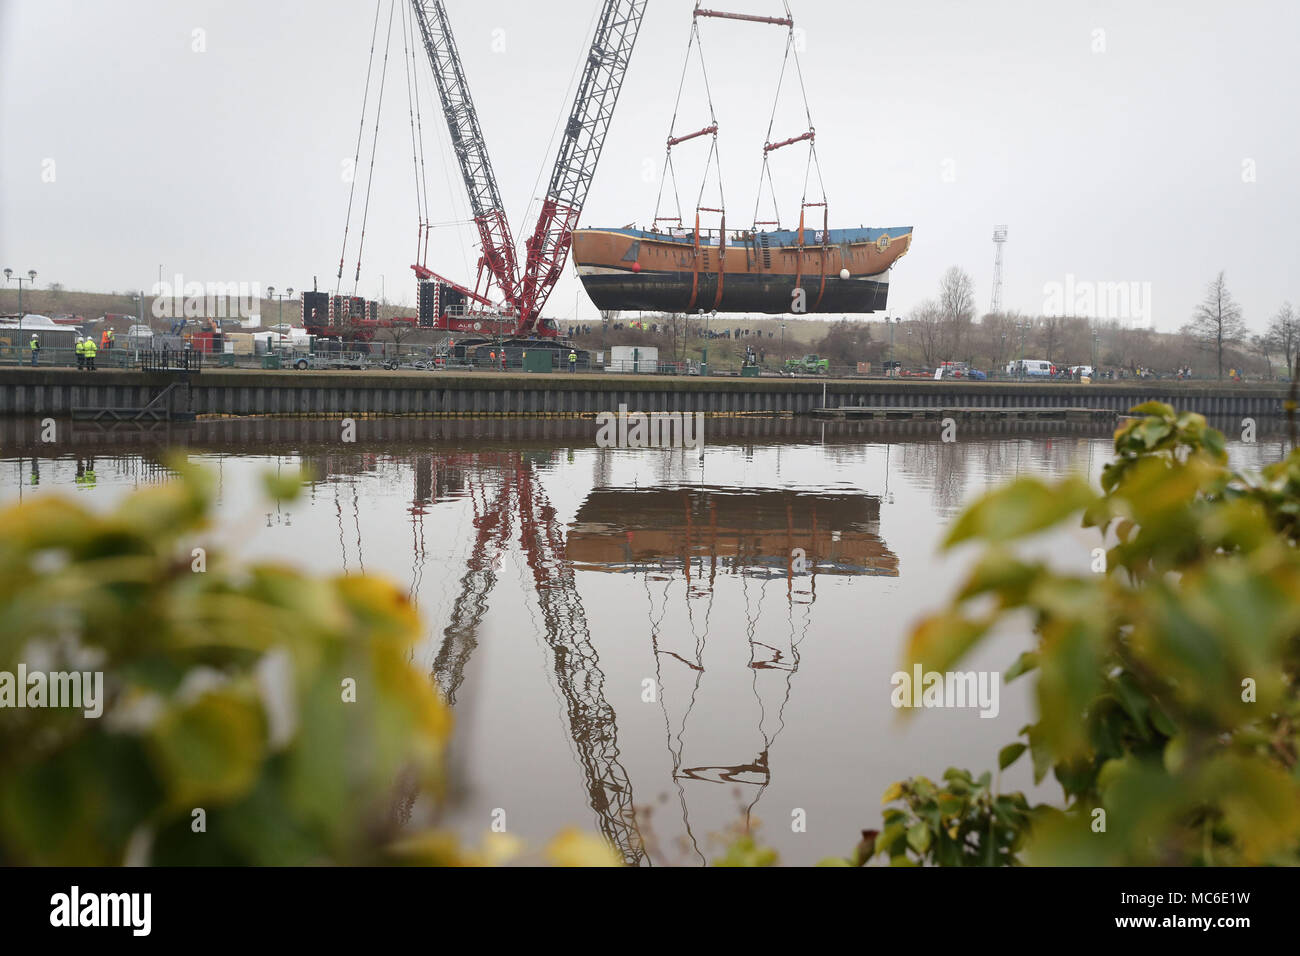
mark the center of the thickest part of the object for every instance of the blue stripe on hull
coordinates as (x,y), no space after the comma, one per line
(782,238)
(773,295)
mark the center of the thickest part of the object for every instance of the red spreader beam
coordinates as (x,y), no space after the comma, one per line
(775,21)
(674,140)
(790,142)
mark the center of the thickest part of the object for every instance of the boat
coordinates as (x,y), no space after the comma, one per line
(779,271)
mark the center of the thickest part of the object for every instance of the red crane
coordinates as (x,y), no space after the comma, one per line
(575,164)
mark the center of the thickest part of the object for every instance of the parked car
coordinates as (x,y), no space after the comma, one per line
(962,370)
(1032,368)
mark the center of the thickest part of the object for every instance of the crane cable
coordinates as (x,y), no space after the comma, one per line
(791,48)
(361,128)
(695,43)
(370,179)
(455,197)
(417,138)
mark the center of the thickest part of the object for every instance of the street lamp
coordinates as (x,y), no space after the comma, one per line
(704,351)
(1020,366)
(287,294)
(897,320)
(31,277)
(1094,355)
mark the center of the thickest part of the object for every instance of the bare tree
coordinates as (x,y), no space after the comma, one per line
(397,333)
(1265,347)
(956,310)
(998,333)
(847,342)
(1217,323)
(1284,333)
(927,324)
(1051,329)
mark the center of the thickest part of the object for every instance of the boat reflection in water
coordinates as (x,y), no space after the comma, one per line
(774,543)
(739,530)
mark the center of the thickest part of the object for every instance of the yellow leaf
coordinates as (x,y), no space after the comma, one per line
(500,848)
(574,848)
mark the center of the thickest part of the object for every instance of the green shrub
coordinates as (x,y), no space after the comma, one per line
(1165,685)
(225,693)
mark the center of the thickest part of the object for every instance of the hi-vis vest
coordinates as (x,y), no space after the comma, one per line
(36,343)
(91,348)
(81,346)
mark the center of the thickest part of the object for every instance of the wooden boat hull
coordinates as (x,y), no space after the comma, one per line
(764,272)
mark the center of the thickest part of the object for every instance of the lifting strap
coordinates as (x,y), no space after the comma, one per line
(361,128)
(809,136)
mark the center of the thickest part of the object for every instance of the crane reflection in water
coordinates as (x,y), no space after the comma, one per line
(681,541)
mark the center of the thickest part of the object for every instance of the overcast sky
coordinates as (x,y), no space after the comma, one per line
(1147,141)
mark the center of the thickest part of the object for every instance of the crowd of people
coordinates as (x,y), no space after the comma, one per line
(85,346)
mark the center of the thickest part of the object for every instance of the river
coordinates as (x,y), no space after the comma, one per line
(641,642)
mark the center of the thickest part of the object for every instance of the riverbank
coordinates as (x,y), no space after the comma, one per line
(60,391)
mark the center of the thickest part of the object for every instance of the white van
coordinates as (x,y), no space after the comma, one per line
(1033,367)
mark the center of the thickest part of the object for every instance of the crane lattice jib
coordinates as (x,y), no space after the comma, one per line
(491,522)
(592,722)
(575,165)
(469,146)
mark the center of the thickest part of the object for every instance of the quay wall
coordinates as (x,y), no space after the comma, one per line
(57,392)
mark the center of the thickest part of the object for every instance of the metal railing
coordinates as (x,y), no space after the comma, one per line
(170,360)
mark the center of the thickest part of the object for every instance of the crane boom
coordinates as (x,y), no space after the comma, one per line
(575,163)
(470,148)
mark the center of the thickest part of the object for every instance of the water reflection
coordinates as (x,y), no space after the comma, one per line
(692,535)
(709,529)
(675,608)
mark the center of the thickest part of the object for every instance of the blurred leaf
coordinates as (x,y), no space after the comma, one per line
(1010,754)
(1025,506)
(939,642)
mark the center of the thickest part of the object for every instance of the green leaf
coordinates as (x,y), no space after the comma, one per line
(1010,754)
(211,749)
(1026,662)
(918,837)
(889,836)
